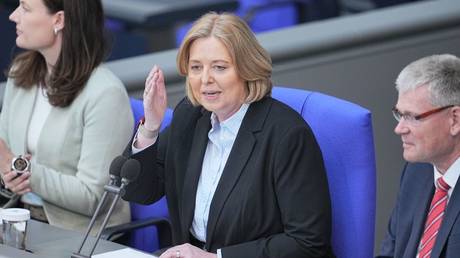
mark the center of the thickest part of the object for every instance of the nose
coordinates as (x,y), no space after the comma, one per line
(206,76)
(13,15)
(401,128)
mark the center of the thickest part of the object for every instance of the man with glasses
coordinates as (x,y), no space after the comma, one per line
(425,221)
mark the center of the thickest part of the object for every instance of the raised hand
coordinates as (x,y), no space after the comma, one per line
(155,100)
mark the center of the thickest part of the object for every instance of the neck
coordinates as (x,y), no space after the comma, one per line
(51,54)
(444,165)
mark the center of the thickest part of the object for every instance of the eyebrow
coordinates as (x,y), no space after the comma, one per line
(214,61)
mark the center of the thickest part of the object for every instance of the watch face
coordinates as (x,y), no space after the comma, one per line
(20,164)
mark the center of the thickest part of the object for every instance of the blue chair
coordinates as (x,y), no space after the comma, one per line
(344,133)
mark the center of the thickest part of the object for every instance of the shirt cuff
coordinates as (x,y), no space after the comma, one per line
(219,253)
(135,150)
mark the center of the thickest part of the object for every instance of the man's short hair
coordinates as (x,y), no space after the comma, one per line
(441,73)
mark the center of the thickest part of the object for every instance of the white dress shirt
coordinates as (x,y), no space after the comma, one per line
(450,177)
(221,138)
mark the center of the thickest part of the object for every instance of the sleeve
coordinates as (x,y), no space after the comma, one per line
(107,127)
(388,244)
(5,112)
(150,184)
(303,197)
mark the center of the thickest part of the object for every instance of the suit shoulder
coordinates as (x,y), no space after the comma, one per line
(284,114)
(102,79)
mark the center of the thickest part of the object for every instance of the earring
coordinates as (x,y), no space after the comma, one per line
(56,31)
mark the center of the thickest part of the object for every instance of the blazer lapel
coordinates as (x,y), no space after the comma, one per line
(424,195)
(237,160)
(450,216)
(192,175)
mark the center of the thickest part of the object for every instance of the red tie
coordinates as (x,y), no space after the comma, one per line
(434,219)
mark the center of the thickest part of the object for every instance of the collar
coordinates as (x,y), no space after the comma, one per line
(451,175)
(232,123)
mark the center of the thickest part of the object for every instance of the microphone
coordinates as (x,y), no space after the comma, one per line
(130,169)
(129,172)
(115,168)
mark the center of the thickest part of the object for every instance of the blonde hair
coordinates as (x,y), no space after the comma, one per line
(252,62)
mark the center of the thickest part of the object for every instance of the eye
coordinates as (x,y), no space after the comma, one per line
(23,7)
(219,67)
(195,67)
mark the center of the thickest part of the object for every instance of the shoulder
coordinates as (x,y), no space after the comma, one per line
(103,79)
(185,108)
(103,83)
(415,174)
(270,112)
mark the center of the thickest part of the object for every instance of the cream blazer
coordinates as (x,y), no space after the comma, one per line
(75,147)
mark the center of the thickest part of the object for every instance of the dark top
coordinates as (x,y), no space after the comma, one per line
(408,218)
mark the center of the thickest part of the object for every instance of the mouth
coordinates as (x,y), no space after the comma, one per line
(406,144)
(210,93)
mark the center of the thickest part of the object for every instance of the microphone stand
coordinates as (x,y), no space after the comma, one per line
(108,189)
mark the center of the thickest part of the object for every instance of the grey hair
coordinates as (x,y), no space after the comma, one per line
(441,73)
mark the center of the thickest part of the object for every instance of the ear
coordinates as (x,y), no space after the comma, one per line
(59,20)
(455,120)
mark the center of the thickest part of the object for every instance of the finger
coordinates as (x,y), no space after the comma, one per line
(161,86)
(22,186)
(18,178)
(27,190)
(153,88)
(8,176)
(152,73)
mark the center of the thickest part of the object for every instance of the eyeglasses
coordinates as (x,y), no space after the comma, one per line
(413,118)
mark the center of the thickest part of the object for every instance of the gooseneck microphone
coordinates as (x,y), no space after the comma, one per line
(129,170)
(115,170)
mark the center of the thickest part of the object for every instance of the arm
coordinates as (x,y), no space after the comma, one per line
(19,184)
(301,191)
(106,127)
(5,153)
(150,184)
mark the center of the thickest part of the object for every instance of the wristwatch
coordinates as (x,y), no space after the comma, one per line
(20,164)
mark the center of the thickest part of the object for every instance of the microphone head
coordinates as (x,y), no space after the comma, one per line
(130,170)
(116,165)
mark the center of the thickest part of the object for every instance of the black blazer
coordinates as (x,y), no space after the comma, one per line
(408,218)
(272,199)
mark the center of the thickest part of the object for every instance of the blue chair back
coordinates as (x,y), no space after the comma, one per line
(344,133)
(146,239)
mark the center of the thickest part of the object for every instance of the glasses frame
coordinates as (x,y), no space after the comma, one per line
(412,118)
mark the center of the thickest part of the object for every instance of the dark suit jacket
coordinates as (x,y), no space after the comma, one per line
(408,218)
(272,199)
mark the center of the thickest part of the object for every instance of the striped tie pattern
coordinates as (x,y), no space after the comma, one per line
(434,219)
